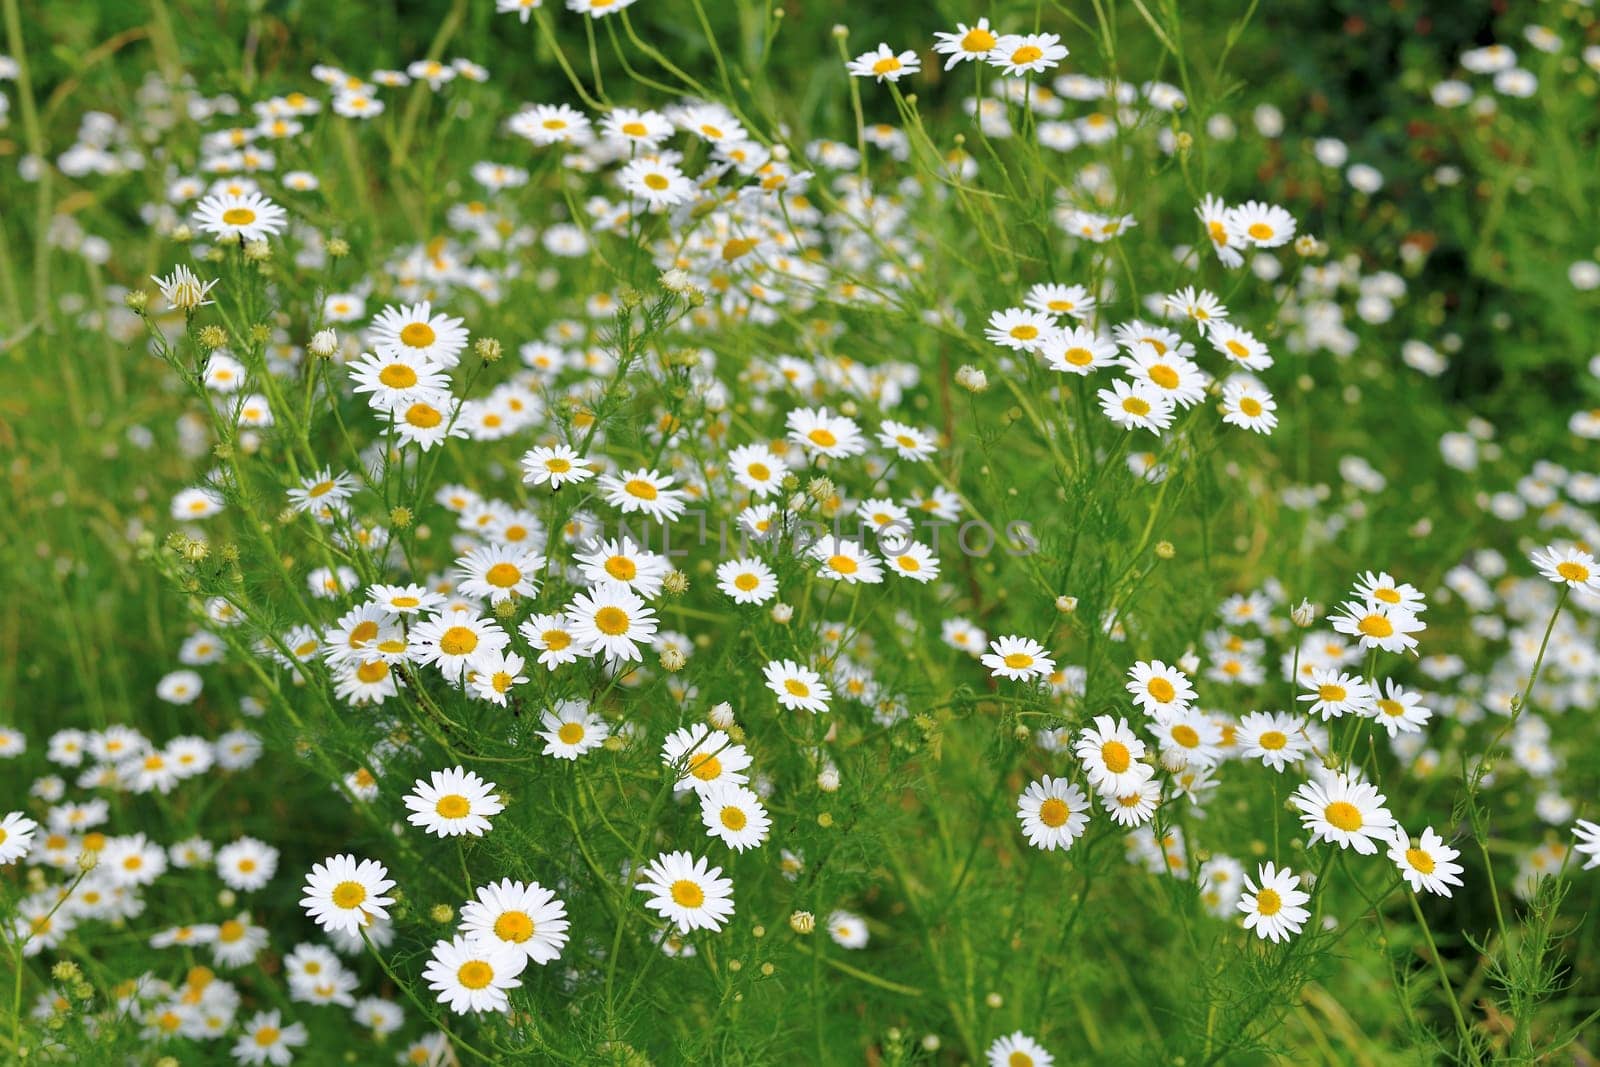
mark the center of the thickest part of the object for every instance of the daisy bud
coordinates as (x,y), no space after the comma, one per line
(136,300)
(488,349)
(768,970)
(400,518)
(820,489)
(994,1000)
(1188,663)
(257,251)
(672,660)
(676,583)
(65,971)
(1164,550)
(1021,732)
(1303,614)
(1184,141)
(1066,604)
(182,234)
(213,337)
(802,922)
(226,898)
(676,281)
(972,379)
(782,613)
(323,344)
(195,552)
(840,30)
(758,931)
(507,608)
(825,820)
(338,247)
(828,780)
(87,861)
(441,913)
(931,1043)
(721,715)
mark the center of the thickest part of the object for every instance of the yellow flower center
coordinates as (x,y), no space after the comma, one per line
(640,488)
(1331,693)
(349,894)
(1078,356)
(267,1036)
(796,687)
(1376,626)
(1268,902)
(733,818)
(514,926)
(423,416)
(1186,735)
(1343,815)
(978,39)
(570,733)
(634,129)
(746,582)
(843,564)
(705,767)
(1135,406)
(555,640)
(1026,54)
(503,576)
(1164,376)
(611,621)
(886,65)
(1420,860)
(458,641)
(656,181)
(453,806)
(1018,660)
(1573,572)
(1260,231)
(230,931)
(238,216)
(1025,332)
(475,974)
(418,335)
(1161,689)
(1116,756)
(622,568)
(1054,812)
(374,671)
(1250,406)
(687,894)
(398,376)
(822,437)
(1273,740)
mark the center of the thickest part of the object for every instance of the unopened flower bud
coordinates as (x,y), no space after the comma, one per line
(802,922)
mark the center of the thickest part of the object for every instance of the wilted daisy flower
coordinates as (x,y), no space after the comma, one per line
(1427,863)
(242,218)
(1273,909)
(884,64)
(1053,812)
(453,802)
(344,895)
(687,891)
(734,815)
(524,916)
(183,290)
(473,976)
(1344,811)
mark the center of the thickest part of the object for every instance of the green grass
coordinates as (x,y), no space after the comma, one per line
(903,806)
